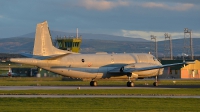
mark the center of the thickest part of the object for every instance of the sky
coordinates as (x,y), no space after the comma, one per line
(129,18)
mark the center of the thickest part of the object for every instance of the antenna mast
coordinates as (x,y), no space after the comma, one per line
(188,47)
(168,48)
(155,51)
(76,32)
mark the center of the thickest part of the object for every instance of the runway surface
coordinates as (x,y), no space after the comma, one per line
(69,87)
(94,96)
(91,96)
(97,87)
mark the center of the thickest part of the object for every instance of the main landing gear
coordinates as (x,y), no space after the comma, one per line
(156,81)
(130,83)
(93,83)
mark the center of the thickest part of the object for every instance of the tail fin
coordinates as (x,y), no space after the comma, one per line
(43,43)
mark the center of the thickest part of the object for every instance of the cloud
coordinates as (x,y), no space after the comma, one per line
(176,6)
(159,35)
(107,5)
(102,4)
(1,16)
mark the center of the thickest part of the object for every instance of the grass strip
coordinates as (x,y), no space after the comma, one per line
(47,81)
(98,104)
(139,92)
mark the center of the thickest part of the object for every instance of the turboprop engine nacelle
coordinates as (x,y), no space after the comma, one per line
(134,75)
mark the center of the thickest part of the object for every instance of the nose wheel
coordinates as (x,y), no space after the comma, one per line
(156,82)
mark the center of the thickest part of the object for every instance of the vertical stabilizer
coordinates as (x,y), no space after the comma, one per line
(43,45)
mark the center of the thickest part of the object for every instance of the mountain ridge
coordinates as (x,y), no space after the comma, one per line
(25,44)
(55,34)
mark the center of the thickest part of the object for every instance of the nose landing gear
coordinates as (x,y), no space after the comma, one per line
(156,81)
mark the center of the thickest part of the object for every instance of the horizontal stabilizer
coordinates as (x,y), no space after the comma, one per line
(52,57)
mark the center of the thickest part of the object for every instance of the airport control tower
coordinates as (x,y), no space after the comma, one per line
(69,43)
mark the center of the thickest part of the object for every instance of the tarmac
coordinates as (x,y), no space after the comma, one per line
(97,87)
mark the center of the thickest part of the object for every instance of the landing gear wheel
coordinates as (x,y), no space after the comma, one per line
(93,83)
(156,81)
(155,84)
(130,84)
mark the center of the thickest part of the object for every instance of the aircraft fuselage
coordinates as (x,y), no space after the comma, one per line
(95,66)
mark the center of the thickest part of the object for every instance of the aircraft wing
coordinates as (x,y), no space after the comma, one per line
(52,57)
(129,69)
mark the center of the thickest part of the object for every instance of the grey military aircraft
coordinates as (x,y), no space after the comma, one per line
(90,66)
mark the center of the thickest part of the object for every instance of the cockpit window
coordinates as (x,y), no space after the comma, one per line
(154,59)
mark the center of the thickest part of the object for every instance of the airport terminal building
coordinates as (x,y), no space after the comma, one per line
(191,71)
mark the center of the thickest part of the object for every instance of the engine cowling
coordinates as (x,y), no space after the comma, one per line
(134,75)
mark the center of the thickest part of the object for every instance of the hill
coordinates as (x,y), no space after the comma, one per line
(92,45)
(55,34)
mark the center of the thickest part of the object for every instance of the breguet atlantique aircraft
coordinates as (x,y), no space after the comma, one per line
(90,66)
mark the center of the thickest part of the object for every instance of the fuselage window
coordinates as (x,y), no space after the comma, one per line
(83,60)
